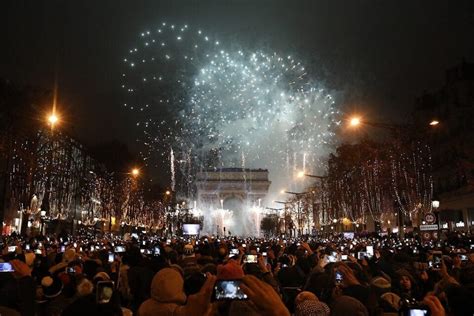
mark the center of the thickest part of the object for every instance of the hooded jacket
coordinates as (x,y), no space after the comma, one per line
(166,296)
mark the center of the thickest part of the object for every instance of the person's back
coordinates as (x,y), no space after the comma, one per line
(139,282)
(166,294)
(87,305)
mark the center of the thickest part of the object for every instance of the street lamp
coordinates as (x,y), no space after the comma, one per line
(53,119)
(135,172)
(355,121)
(284,213)
(434,122)
(435,206)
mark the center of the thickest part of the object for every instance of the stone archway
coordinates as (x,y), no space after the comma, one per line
(234,203)
(232,189)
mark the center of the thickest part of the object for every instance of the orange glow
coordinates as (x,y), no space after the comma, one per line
(355,121)
(53,119)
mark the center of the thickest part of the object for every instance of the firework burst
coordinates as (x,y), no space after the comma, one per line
(226,108)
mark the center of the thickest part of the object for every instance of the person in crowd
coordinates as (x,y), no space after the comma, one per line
(167,296)
(347,305)
(17,290)
(152,275)
(407,287)
(139,278)
(307,303)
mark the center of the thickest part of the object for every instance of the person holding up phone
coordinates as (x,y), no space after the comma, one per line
(349,284)
(167,296)
(19,293)
(265,299)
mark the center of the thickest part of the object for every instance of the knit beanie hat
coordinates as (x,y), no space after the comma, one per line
(380,285)
(404,272)
(390,302)
(312,307)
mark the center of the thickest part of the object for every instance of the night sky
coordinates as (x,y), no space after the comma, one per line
(379,54)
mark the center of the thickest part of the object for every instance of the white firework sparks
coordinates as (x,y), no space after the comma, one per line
(222,108)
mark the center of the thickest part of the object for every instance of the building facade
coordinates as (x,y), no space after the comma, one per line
(452,145)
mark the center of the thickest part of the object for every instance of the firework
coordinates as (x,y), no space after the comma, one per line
(220,107)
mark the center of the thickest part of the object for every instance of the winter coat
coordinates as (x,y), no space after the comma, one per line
(166,296)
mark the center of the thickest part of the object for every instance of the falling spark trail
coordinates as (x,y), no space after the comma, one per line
(304,162)
(217,106)
(173,171)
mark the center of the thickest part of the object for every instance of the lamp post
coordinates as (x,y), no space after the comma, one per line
(284,213)
(52,119)
(135,172)
(42,217)
(168,202)
(298,210)
(435,206)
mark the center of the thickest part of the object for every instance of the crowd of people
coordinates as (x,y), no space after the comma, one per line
(144,275)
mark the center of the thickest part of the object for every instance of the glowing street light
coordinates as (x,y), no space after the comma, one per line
(355,121)
(168,192)
(53,119)
(135,172)
(434,122)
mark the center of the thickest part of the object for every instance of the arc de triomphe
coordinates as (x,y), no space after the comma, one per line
(232,187)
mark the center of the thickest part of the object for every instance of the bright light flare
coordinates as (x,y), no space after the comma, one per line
(135,172)
(355,121)
(434,122)
(53,119)
(300,174)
